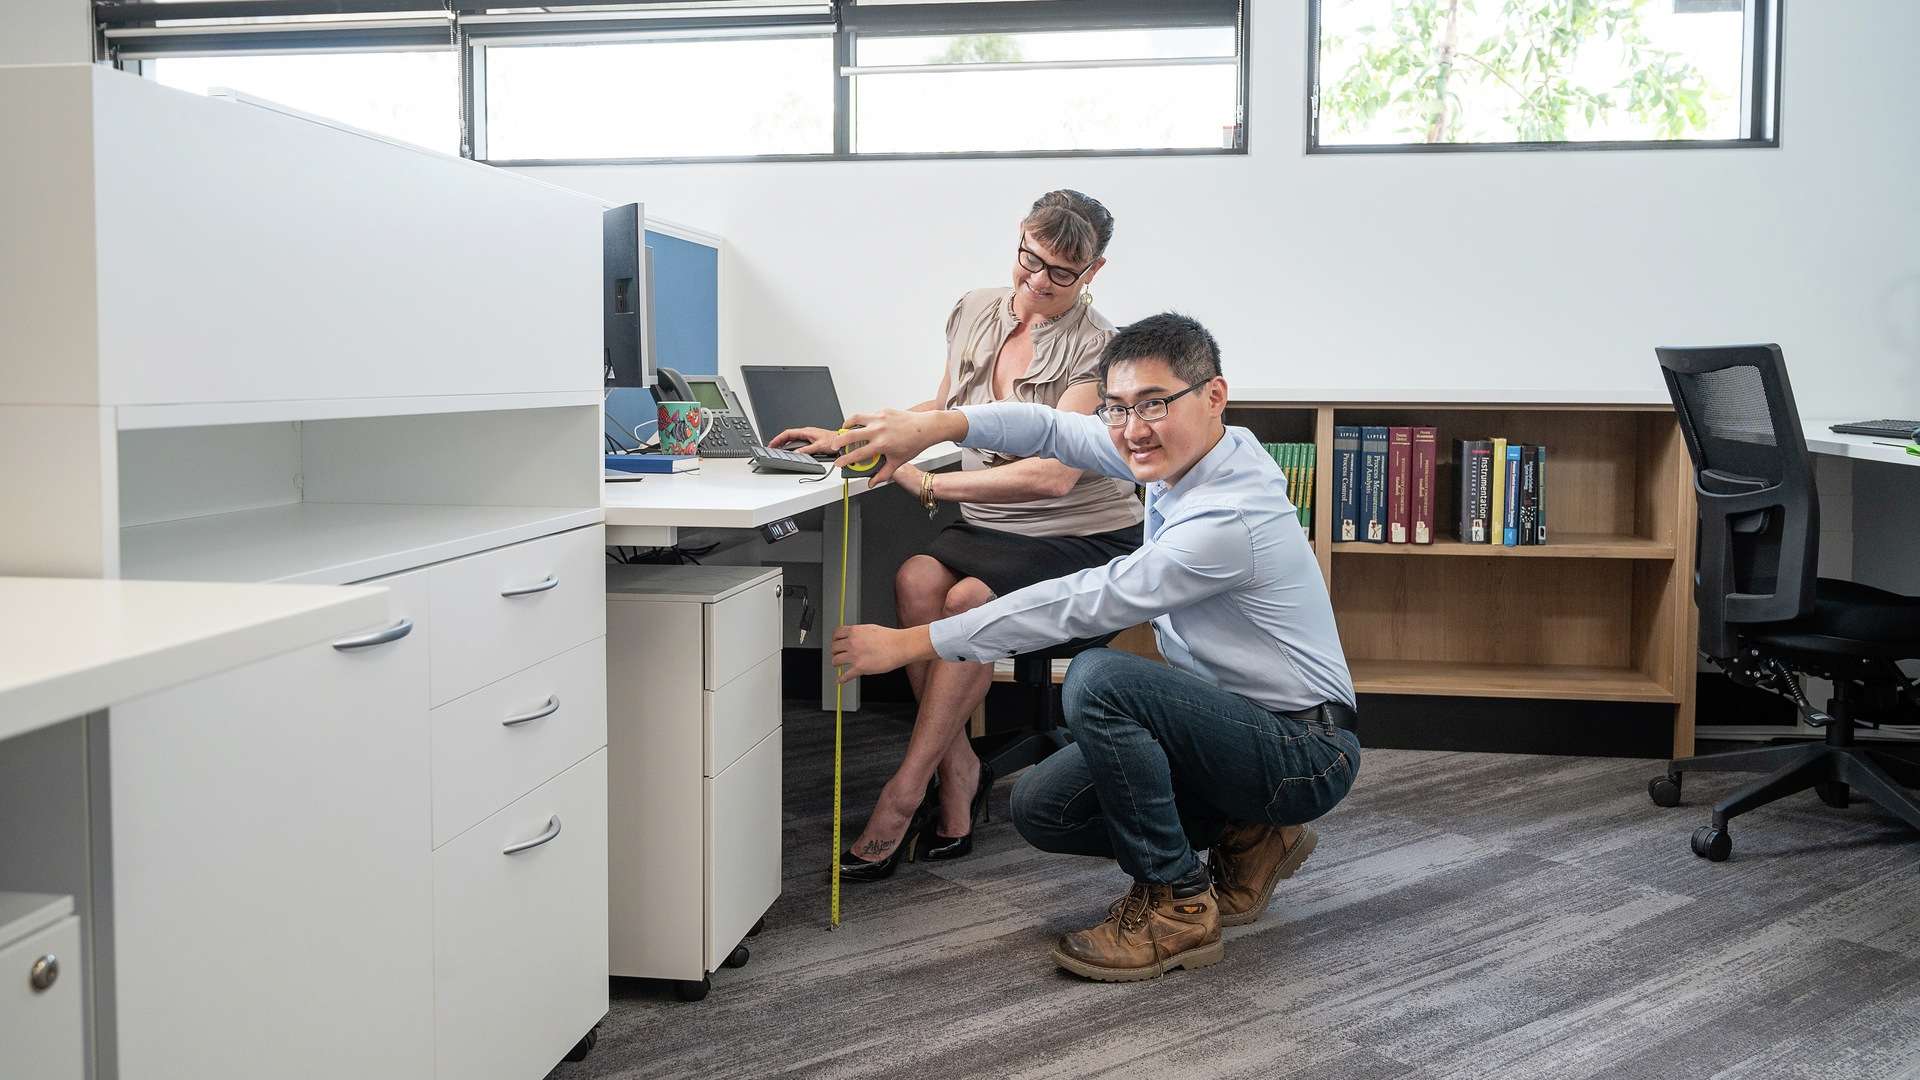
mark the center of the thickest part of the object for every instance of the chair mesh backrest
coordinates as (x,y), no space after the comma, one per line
(1730,418)
(1753,477)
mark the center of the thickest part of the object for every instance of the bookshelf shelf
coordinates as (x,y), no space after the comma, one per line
(1563,546)
(1567,682)
(1603,612)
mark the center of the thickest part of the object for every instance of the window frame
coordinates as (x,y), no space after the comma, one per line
(477,29)
(1760,110)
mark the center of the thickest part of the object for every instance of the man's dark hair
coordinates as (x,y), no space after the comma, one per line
(1182,342)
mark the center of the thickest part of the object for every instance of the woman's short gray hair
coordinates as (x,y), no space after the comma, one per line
(1074,225)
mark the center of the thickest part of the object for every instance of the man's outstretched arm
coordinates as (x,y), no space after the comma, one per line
(1019,429)
(1197,557)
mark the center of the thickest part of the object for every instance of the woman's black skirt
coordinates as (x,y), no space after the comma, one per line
(1008,562)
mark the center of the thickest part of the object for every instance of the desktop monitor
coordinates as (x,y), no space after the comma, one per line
(627,297)
(791,396)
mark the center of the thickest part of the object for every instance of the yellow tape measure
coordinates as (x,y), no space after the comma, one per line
(839,689)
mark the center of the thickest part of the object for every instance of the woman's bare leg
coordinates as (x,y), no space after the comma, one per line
(949,692)
(920,590)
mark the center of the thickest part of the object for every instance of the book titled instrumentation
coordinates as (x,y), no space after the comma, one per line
(1501,492)
(1296,460)
(1384,480)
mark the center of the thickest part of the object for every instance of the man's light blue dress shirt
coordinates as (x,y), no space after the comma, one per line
(1226,572)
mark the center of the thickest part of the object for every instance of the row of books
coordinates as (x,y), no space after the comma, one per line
(1383,477)
(1503,492)
(1296,460)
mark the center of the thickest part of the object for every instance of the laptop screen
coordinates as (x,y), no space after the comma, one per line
(784,397)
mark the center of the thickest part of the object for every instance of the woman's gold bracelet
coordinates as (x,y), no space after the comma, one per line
(926,493)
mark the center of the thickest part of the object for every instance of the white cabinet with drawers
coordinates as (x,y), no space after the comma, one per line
(693,755)
(312,814)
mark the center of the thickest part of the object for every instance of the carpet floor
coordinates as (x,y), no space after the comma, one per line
(1465,915)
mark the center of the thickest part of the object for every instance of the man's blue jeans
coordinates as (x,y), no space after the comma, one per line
(1162,761)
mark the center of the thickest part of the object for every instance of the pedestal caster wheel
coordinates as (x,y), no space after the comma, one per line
(738,957)
(1833,793)
(1664,790)
(1712,844)
(757,927)
(692,989)
(585,1046)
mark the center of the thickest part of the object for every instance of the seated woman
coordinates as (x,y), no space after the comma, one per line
(1024,521)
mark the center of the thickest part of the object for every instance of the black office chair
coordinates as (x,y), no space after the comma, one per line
(1008,753)
(1765,619)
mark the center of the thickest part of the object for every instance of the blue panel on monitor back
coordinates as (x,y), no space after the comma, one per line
(686,326)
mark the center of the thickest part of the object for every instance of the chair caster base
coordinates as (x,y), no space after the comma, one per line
(1712,843)
(1664,790)
(1833,793)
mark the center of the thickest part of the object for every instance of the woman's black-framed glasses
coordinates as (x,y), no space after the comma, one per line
(1154,408)
(1062,276)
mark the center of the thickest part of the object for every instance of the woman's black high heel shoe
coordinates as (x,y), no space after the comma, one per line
(856,869)
(952,847)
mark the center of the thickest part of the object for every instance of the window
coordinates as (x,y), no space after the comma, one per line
(1532,74)
(1122,89)
(646,80)
(410,96)
(728,98)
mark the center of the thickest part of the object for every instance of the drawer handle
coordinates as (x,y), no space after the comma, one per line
(552,582)
(553,830)
(378,637)
(552,706)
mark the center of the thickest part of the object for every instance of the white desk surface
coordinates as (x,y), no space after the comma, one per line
(728,494)
(71,646)
(1820,440)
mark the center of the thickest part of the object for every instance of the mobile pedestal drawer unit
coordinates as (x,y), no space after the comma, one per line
(693,761)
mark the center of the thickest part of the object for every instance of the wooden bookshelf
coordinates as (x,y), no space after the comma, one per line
(1602,612)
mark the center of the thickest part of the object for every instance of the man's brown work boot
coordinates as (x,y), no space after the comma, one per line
(1148,932)
(1248,862)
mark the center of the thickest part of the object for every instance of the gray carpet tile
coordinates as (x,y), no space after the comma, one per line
(1465,916)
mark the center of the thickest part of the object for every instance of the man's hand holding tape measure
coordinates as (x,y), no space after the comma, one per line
(895,435)
(890,438)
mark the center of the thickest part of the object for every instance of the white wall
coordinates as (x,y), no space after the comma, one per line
(46,32)
(1552,270)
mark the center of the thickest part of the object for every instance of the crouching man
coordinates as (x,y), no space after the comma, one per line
(1244,738)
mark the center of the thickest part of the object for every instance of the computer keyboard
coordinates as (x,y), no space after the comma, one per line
(1880,429)
(767,459)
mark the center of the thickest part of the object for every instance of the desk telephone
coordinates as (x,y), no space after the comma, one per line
(731,435)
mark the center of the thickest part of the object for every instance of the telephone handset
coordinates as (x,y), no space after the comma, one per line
(731,434)
(670,385)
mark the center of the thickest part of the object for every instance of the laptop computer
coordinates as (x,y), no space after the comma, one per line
(785,396)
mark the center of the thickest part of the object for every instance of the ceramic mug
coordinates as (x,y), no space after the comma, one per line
(682,425)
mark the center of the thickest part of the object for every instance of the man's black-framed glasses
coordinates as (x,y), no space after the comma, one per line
(1062,276)
(1154,408)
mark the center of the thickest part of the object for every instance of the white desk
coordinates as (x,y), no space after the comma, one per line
(728,494)
(723,494)
(72,646)
(1821,440)
(72,649)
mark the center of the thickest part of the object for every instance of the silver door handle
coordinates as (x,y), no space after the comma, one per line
(553,830)
(378,637)
(551,583)
(552,706)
